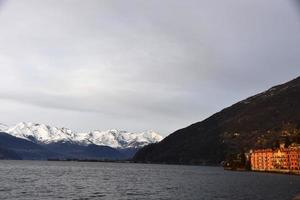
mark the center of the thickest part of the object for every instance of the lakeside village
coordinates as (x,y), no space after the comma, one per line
(280,160)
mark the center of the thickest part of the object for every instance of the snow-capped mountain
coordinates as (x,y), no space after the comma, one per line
(120,139)
(45,134)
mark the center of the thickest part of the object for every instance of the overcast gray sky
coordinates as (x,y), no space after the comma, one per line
(137,65)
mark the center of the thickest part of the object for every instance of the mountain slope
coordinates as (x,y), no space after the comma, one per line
(87,152)
(257,122)
(19,148)
(6,154)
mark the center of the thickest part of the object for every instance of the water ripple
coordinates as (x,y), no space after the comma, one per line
(37,180)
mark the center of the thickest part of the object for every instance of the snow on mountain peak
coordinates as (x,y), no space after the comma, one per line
(123,139)
(40,133)
(46,134)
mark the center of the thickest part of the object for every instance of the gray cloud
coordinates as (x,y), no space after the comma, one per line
(140,64)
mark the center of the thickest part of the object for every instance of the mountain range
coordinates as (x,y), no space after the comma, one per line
(40,141)
(261,121)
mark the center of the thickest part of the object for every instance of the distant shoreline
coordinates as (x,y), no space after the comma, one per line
(133,162)
(90,160)
(261,171)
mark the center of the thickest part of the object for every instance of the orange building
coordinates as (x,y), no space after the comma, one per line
(280,160)
(294,158)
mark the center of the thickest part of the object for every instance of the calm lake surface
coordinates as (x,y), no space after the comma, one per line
(74,180)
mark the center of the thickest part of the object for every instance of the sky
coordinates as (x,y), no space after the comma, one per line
(140,65)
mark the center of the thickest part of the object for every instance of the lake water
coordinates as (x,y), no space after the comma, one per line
(23,180)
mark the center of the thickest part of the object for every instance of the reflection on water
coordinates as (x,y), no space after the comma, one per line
(74,180)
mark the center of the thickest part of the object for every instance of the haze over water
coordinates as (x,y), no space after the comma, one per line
(23,180)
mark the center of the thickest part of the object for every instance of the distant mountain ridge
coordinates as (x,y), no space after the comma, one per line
(45,134)
(33,141)
(261,121)
(21,149)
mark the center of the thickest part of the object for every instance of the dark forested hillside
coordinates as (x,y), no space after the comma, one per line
(81,152)
(6,154)
(17,148)
(263,120)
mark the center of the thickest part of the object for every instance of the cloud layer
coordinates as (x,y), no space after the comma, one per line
(140,64)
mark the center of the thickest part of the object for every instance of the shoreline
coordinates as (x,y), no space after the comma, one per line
(133,162)
(264,171)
